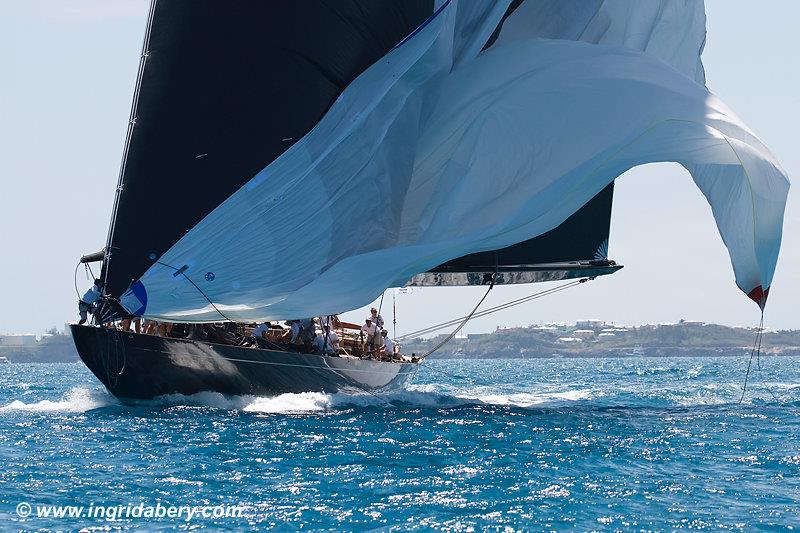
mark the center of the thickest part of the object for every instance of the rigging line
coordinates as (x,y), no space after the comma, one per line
(128,136)
(466,318)
(380,305)
(75,279)
(494,310)
(756,346)
(505,305)
(183,273)
(497,308)
(760,336)
(758,358)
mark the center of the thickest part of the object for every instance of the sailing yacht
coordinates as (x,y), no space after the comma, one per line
(295,159)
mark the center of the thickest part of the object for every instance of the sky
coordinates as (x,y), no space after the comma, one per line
(68,74)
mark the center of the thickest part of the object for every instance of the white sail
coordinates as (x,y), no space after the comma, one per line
(437,151)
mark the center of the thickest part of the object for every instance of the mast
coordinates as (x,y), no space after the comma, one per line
(131,123)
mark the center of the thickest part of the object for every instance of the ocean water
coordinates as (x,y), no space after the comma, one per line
(601,444)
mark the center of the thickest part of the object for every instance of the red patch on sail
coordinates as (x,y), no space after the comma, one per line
(759,296)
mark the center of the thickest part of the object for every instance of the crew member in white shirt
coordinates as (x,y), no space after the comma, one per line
(388,344)
(368,336)
(376,318)
(327,342)
(259,334)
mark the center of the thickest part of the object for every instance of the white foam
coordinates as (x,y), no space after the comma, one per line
(77,400)
(305,402)
(421,396)
(528,399)
(283,403)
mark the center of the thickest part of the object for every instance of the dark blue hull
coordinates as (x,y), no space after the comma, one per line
(137,366)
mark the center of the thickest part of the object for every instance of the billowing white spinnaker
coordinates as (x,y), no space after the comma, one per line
(432,154)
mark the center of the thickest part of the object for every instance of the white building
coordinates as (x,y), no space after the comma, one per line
(589,323)
(583,333)
(569,340)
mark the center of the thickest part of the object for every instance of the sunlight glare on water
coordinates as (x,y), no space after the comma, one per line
(531,444)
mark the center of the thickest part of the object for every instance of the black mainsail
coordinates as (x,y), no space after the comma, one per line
(224,89)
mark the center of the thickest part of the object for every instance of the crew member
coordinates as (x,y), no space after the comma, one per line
(308,332)
(327,342)
(150,326)
(368,336)
(87,303)
(259,334)
(388,344)
(376,318)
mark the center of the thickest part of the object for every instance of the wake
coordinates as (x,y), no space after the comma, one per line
(82,400)
(77,400)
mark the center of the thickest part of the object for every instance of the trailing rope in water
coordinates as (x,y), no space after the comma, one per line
(757,352)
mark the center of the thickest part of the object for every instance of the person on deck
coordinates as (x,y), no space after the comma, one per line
(369,337)
(259,334)
(87,303)
(308,332)
(150,326)
(388,344)
(376,318)
(327,342)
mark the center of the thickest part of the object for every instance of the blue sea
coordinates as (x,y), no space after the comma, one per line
(544,444)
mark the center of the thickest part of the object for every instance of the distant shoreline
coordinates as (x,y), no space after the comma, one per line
(585,340)
(597,339)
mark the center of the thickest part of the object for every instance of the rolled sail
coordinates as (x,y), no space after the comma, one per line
(470,136)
